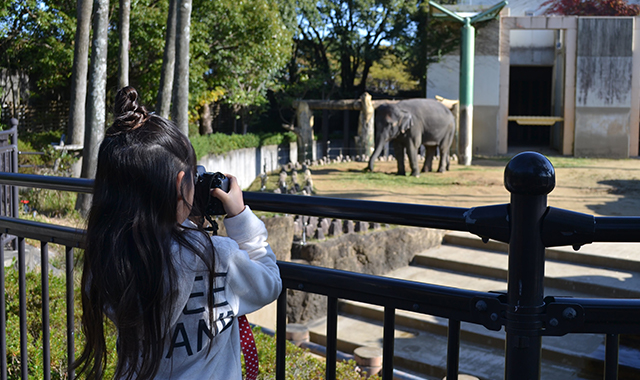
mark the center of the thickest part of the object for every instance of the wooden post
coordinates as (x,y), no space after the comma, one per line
(366,131)
(304,131)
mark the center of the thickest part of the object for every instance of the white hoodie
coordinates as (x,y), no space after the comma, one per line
(246,279)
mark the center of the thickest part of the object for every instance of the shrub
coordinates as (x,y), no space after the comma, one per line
(300,365)
(220,143)
(57,326)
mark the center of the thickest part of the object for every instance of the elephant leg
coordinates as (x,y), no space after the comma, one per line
(412,152)
(445,147)
(428,161)
(398,151)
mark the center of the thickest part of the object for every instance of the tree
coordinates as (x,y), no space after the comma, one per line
(124,14)
(180,97)
(389,75)
(353,32)
(96,98)
(427,41)
(243,47)
(36,38)
(79,73)
(591,8)
(168,63)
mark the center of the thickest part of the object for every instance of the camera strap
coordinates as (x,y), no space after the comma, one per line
(249,350)
(213,226)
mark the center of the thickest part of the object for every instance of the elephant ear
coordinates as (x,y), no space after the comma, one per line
(406,122)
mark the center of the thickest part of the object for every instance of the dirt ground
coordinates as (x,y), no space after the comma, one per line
(604,187)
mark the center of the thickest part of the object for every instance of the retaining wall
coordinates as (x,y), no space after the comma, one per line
(247,164)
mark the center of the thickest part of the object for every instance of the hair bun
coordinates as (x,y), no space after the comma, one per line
(129,114)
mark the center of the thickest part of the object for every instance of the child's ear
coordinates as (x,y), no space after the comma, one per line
(179,184)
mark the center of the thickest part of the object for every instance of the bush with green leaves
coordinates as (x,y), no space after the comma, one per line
(57,326)
(220,143)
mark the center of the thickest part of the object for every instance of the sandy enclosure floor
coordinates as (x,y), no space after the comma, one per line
(604,187)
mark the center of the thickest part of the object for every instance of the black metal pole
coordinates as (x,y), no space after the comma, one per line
(281,335)
(529,177)
(453,349)
(612,346)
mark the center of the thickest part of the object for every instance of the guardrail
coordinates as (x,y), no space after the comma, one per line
(526,223)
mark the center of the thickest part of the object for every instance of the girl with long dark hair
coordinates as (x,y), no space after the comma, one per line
(173,292)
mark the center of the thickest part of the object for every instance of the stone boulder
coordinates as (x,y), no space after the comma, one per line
(376,253)
(280,229)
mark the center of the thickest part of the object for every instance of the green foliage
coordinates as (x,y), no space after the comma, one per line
(40,142)
(37,37)
(57,321)
(51,203)
(220,143)
(351,33)
(389,75)
(300,365)
(243,45)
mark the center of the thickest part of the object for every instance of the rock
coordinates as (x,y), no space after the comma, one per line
(335,229)
(376,252)
(280,238)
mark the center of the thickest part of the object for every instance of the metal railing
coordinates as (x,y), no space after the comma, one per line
(526,224)
(9,163)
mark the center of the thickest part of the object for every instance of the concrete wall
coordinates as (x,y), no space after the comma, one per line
(247,164)
(532,47)
(603,86)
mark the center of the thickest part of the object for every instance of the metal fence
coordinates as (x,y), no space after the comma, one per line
(526,223)
(9,163)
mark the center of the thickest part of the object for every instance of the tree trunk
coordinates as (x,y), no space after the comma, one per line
(168,63)
(180,98)
(123,73)
(96,99)
(206,119)
(75,131)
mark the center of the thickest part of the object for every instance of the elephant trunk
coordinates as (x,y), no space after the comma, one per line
(376,153)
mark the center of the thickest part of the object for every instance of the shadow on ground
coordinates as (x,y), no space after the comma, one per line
(626,205)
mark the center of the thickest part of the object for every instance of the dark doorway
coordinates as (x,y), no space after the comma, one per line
(529,95)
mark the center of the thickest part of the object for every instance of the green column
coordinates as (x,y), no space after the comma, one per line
(467,48)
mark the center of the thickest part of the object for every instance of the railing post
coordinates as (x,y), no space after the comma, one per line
(529,177)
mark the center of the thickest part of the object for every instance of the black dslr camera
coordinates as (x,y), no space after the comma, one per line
(202,199)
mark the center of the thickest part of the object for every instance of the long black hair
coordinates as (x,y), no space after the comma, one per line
(128,271)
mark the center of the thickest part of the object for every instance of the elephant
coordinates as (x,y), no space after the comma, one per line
(411,123)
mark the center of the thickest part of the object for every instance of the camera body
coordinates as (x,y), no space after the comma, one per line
(204,182)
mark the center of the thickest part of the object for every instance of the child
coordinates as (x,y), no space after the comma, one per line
(173,292)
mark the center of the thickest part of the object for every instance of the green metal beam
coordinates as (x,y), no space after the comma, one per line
(489,13)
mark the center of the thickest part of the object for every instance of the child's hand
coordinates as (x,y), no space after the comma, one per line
(232,201)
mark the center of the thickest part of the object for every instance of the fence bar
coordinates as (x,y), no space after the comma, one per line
(3,319)
(617,229)
(332,337)
(612,345)
(453,349)
(70,313)
(452,218)
(46,332)
(388,342)
(529,177)
(22,290)
(281,336)
(78,185)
